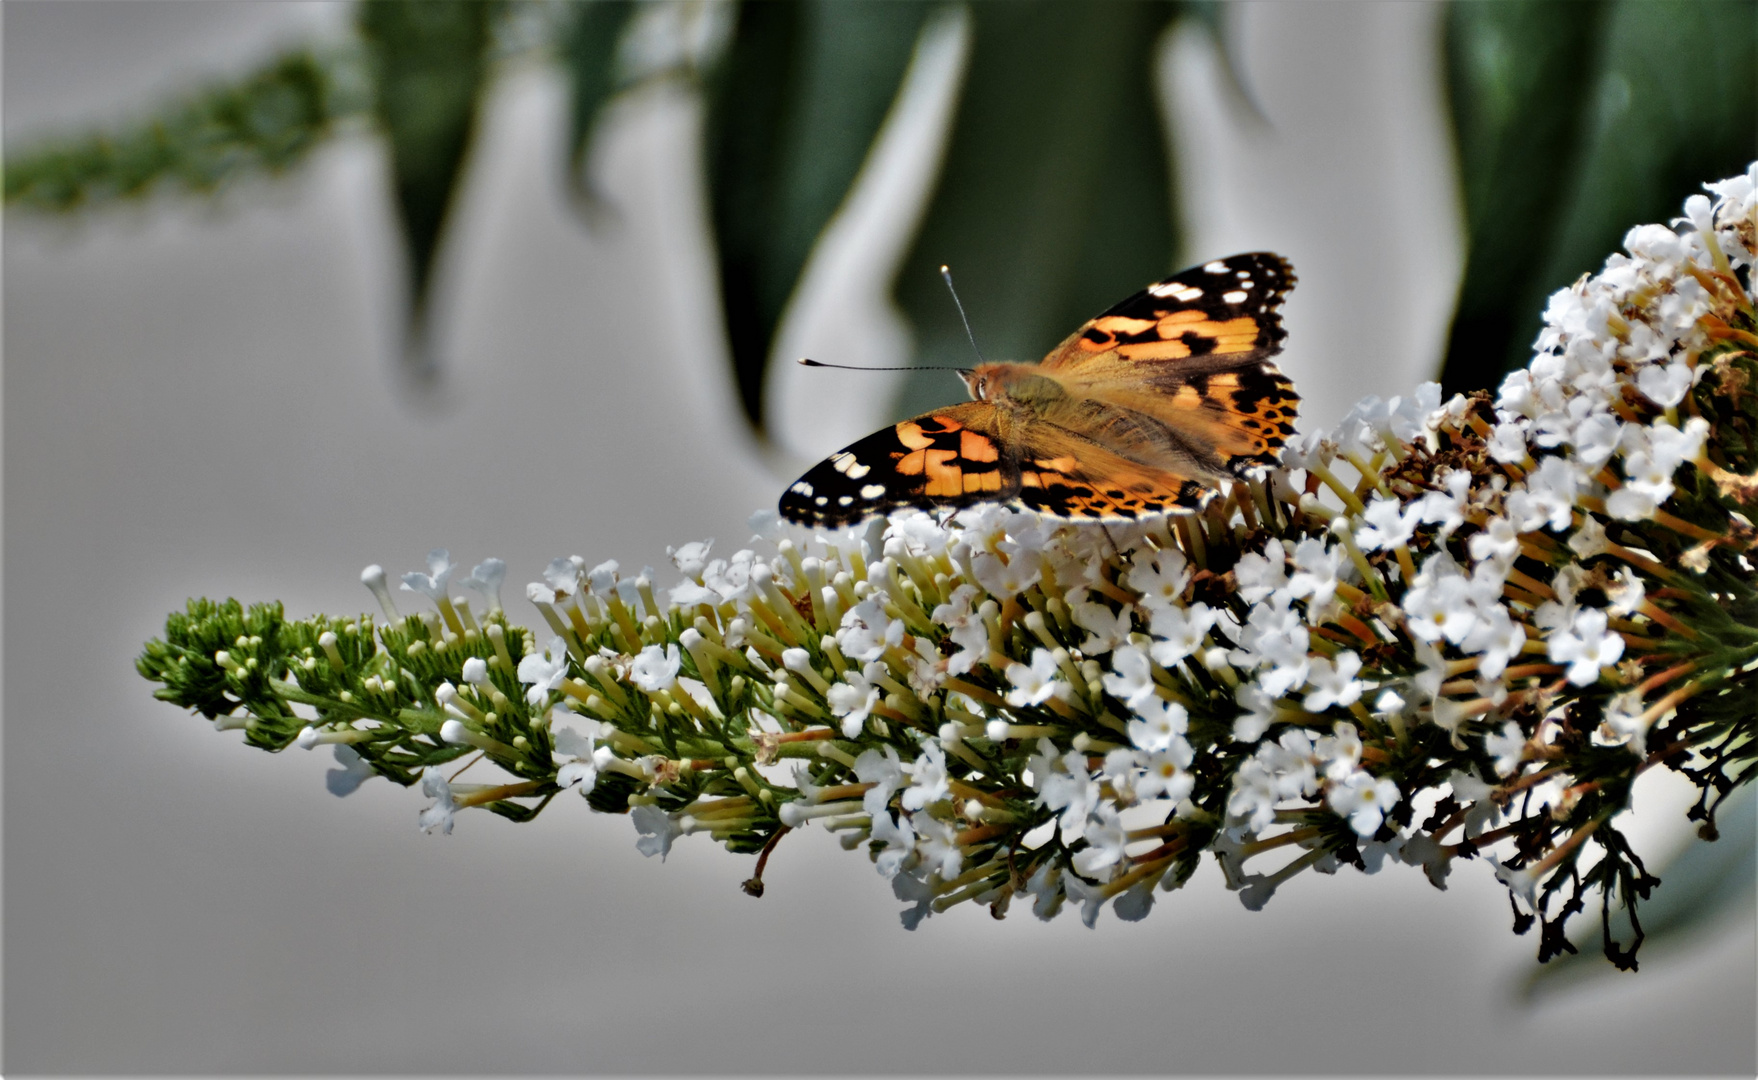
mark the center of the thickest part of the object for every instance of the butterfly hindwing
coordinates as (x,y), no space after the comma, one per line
(1067,475)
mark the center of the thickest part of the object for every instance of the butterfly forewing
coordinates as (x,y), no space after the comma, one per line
(1219,315)
(1193,352)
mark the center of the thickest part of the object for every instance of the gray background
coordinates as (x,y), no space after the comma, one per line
(198,400)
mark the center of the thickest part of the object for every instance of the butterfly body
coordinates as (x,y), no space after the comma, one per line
(1145,409)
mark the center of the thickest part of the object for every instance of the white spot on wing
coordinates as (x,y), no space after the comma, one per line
(1184,294)
(856,470)
(872,491)
(841,462)
(1216,267)
(845,500)
(821,500)
(1237,296)
(801,488)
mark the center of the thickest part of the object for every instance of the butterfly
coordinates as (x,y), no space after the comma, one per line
(1143,410)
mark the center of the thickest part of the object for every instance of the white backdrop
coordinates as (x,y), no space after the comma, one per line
(199,400)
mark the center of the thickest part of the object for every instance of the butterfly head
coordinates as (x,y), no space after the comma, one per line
(1017,382)
(976,381)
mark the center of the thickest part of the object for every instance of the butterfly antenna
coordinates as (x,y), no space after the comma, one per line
(946,274)
(808,362)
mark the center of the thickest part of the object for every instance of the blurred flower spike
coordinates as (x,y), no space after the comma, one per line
(1444,630)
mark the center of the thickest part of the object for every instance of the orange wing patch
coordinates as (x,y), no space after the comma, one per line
(1176,336)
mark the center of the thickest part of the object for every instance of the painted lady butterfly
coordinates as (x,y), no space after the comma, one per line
(1141,411)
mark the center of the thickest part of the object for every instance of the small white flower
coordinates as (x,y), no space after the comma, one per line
(1507,443)
(1586,646)
(1508,748)
(1071,790)
(655,669)
(486,578)
(563,576)
(1105,842)
(1254,795)
(1664,384)
(731,578)
(853,699)
(1625,592)
(1596,438)
(1439,603)
(657,830)
(929,782)
(1386,525)
(1106,629)
(1446,508)
(867,631)
(1045,885)
(885,772)
(1622,722)
(1131,678)
(439,815)
(433,583)
(1005,579)
(1364,800)
(1316,571)
(1340,751)
(969,632)
(1475,794)
(899,838)
(1497,541)
(545,671)
(1160,578)
(1166,776)
(920,534)
(937,843)
(1497,637)
(601,578)
(1333,682)
(1160,725)
(582,771)
(573,743)
(1258,576)
(1032,685)
(1258,713)
(1179,632)
(1523,882)
(353,772)
(691,558)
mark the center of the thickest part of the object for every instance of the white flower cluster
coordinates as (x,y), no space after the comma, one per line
(997,703)
(1444,629)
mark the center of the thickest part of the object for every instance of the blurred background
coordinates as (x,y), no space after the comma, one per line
(295,287)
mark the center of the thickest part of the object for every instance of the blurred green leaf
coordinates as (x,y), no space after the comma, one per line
(429,61)
(267,122)
(1703,887)
(1055,199)
(792,110)
(1575,121)
(588,51)
(1520,78)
